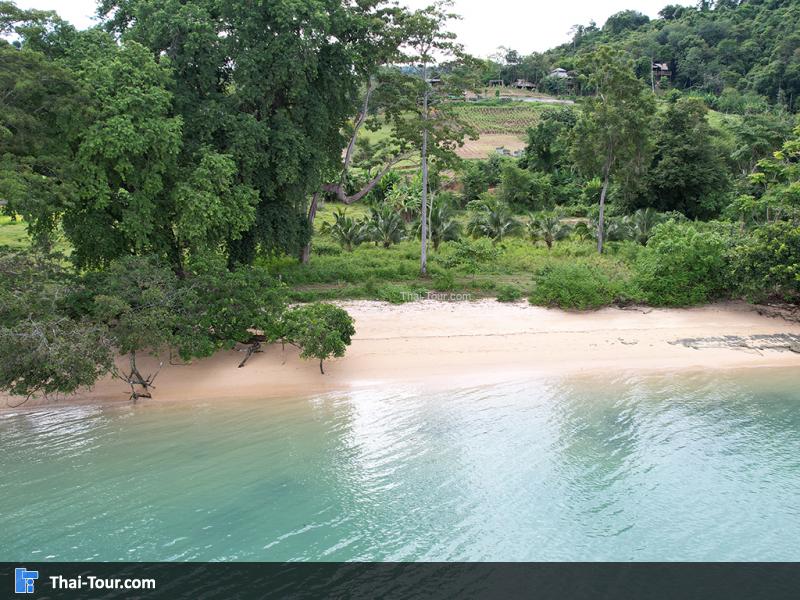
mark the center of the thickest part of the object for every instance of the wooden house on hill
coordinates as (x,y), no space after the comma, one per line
(661,71)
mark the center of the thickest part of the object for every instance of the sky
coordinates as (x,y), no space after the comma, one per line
(523,25)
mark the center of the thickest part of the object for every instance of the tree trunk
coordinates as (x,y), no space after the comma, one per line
(602,216)
(254,347)
(305,253)
(135,378)
(652,77)
(176,256)
(339,188)
(423,261)
(601,223)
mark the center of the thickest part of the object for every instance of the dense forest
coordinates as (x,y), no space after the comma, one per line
(185,171)
(739,54)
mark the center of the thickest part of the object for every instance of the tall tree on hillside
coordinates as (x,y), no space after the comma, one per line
(549,141)
(610,138)
(688,173)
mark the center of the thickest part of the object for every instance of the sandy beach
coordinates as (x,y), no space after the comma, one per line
(433,343)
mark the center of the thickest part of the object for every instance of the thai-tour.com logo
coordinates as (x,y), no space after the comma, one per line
(24,580)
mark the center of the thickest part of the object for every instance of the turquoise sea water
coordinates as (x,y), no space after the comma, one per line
(667,467)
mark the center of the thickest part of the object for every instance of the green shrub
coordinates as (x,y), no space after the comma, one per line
(470,255)
(325,249)
(301,296)
(444,281)
(683,264)
(399,294)
(626,251)
(522,188)
(508,293)
(321,331)
(767,262)
(575,285)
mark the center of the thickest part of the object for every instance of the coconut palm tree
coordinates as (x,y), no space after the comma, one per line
(642,222)
(619,230)
(616,229)
(442,225)
(548,228)
(386,226)
(581,230)
(495,221)
(347,232)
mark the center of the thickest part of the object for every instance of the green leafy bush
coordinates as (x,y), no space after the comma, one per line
(767,263)
(324,249)
(508,293)
(444,281)
(683,264)
(522,188)
(321,331)
(399,294)
(470,255)
(575,285)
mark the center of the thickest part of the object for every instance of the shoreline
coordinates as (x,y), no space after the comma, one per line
(431,344)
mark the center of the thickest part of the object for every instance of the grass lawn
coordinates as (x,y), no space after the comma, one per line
(374,272)
(13,233)
(14,236)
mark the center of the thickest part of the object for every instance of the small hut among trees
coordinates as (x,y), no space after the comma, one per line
(661,71)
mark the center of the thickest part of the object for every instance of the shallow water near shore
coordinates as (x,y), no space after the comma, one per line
(684,466)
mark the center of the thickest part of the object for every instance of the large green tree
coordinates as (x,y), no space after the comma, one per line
(43,348)
(269,84)
(38,99)
(688,173)
(91,143)
(610,139)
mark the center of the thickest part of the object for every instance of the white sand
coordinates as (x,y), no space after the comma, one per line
(467,343)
